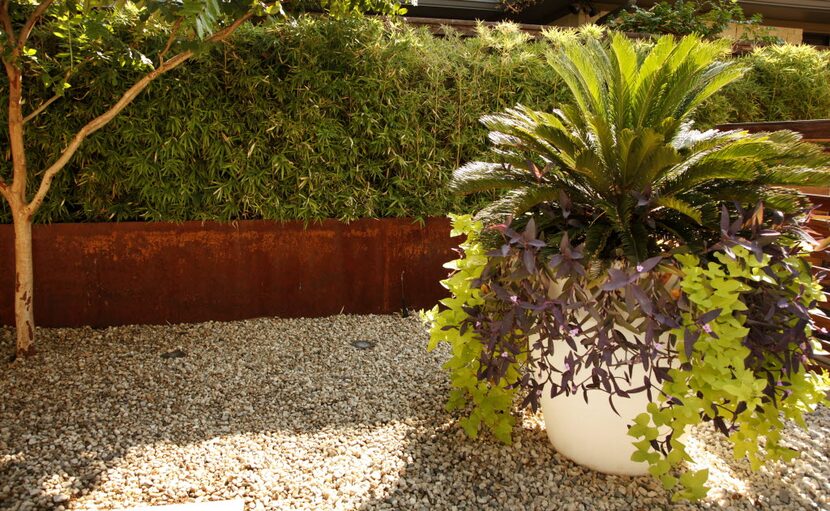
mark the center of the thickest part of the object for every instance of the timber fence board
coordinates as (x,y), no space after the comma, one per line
(817,130)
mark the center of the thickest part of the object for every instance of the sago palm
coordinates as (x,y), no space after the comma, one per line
(621,169)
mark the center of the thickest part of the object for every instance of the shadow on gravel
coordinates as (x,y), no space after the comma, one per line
(91,397)
(802,484)
(448,471)
(94,404)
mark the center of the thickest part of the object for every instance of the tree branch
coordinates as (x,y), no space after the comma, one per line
(98,123)
(30,24)
(17,147)
(37,111)
(230,29)
(6,21)
(173,31)
(127,98)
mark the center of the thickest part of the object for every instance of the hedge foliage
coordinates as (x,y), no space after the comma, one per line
(787,82)
(316,118)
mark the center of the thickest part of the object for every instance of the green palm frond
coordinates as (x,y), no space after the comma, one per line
(681,207)
(795,176)
(596,238)
(693,140)
(479,176)
(638,177)
(785,199)
(698,169)
(516,202)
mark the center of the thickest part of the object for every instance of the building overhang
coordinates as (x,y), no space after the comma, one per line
(809,11)
(812,11)
(548,11)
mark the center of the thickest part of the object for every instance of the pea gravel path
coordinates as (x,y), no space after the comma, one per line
(287,414)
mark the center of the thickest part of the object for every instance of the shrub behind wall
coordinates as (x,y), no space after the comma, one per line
(307,120)
(787,82)
(333,119)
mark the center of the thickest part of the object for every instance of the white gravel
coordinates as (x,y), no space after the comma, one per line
(288,414)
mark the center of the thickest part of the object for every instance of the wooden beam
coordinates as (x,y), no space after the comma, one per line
(813,131)
(821,201)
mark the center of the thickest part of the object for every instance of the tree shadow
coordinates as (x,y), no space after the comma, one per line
(93,404)
(801,484)
(530,475)
(288,412)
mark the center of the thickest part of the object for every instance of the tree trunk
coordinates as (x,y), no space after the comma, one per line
(21,216)
(15,192)
(24,314)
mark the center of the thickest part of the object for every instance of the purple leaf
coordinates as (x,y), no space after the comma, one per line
(529,261)
(565,204)
(611,401)
(737,224)
(642,200)
(649,264)
(565,245)
(617,279)
(724,219)
(708,316)
(689,339)
(530,230)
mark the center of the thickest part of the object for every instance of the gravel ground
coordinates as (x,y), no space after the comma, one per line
(288,414)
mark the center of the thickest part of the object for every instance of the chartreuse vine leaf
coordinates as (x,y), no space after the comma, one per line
(722,378)
(489,403)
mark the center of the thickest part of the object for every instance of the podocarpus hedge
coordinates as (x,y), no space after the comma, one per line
(344,119)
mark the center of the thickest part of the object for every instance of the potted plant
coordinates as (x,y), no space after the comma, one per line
(636,276)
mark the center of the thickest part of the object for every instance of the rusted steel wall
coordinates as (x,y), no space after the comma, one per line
(125,273)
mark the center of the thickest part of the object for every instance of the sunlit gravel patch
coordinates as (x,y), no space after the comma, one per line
(293,414)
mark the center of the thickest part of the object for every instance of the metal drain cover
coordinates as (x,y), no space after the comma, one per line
(177,353)
(363,344)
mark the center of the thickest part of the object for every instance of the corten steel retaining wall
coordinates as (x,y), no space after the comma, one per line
(125,273)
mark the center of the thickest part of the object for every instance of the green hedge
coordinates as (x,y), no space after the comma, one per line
(785,82)
(333,119)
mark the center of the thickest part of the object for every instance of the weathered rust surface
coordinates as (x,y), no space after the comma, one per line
(126,273)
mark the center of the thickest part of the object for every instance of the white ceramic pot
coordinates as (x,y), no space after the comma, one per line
(591,433)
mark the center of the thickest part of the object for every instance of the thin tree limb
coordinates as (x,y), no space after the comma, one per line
(127,98)
(230,29)
(4,190)
(41,108)
(30,24)
(173,31)
(37,111)
(6,21)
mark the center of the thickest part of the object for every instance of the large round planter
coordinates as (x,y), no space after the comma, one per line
(592,434)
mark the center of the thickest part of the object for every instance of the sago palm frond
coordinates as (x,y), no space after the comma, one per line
(624,154)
